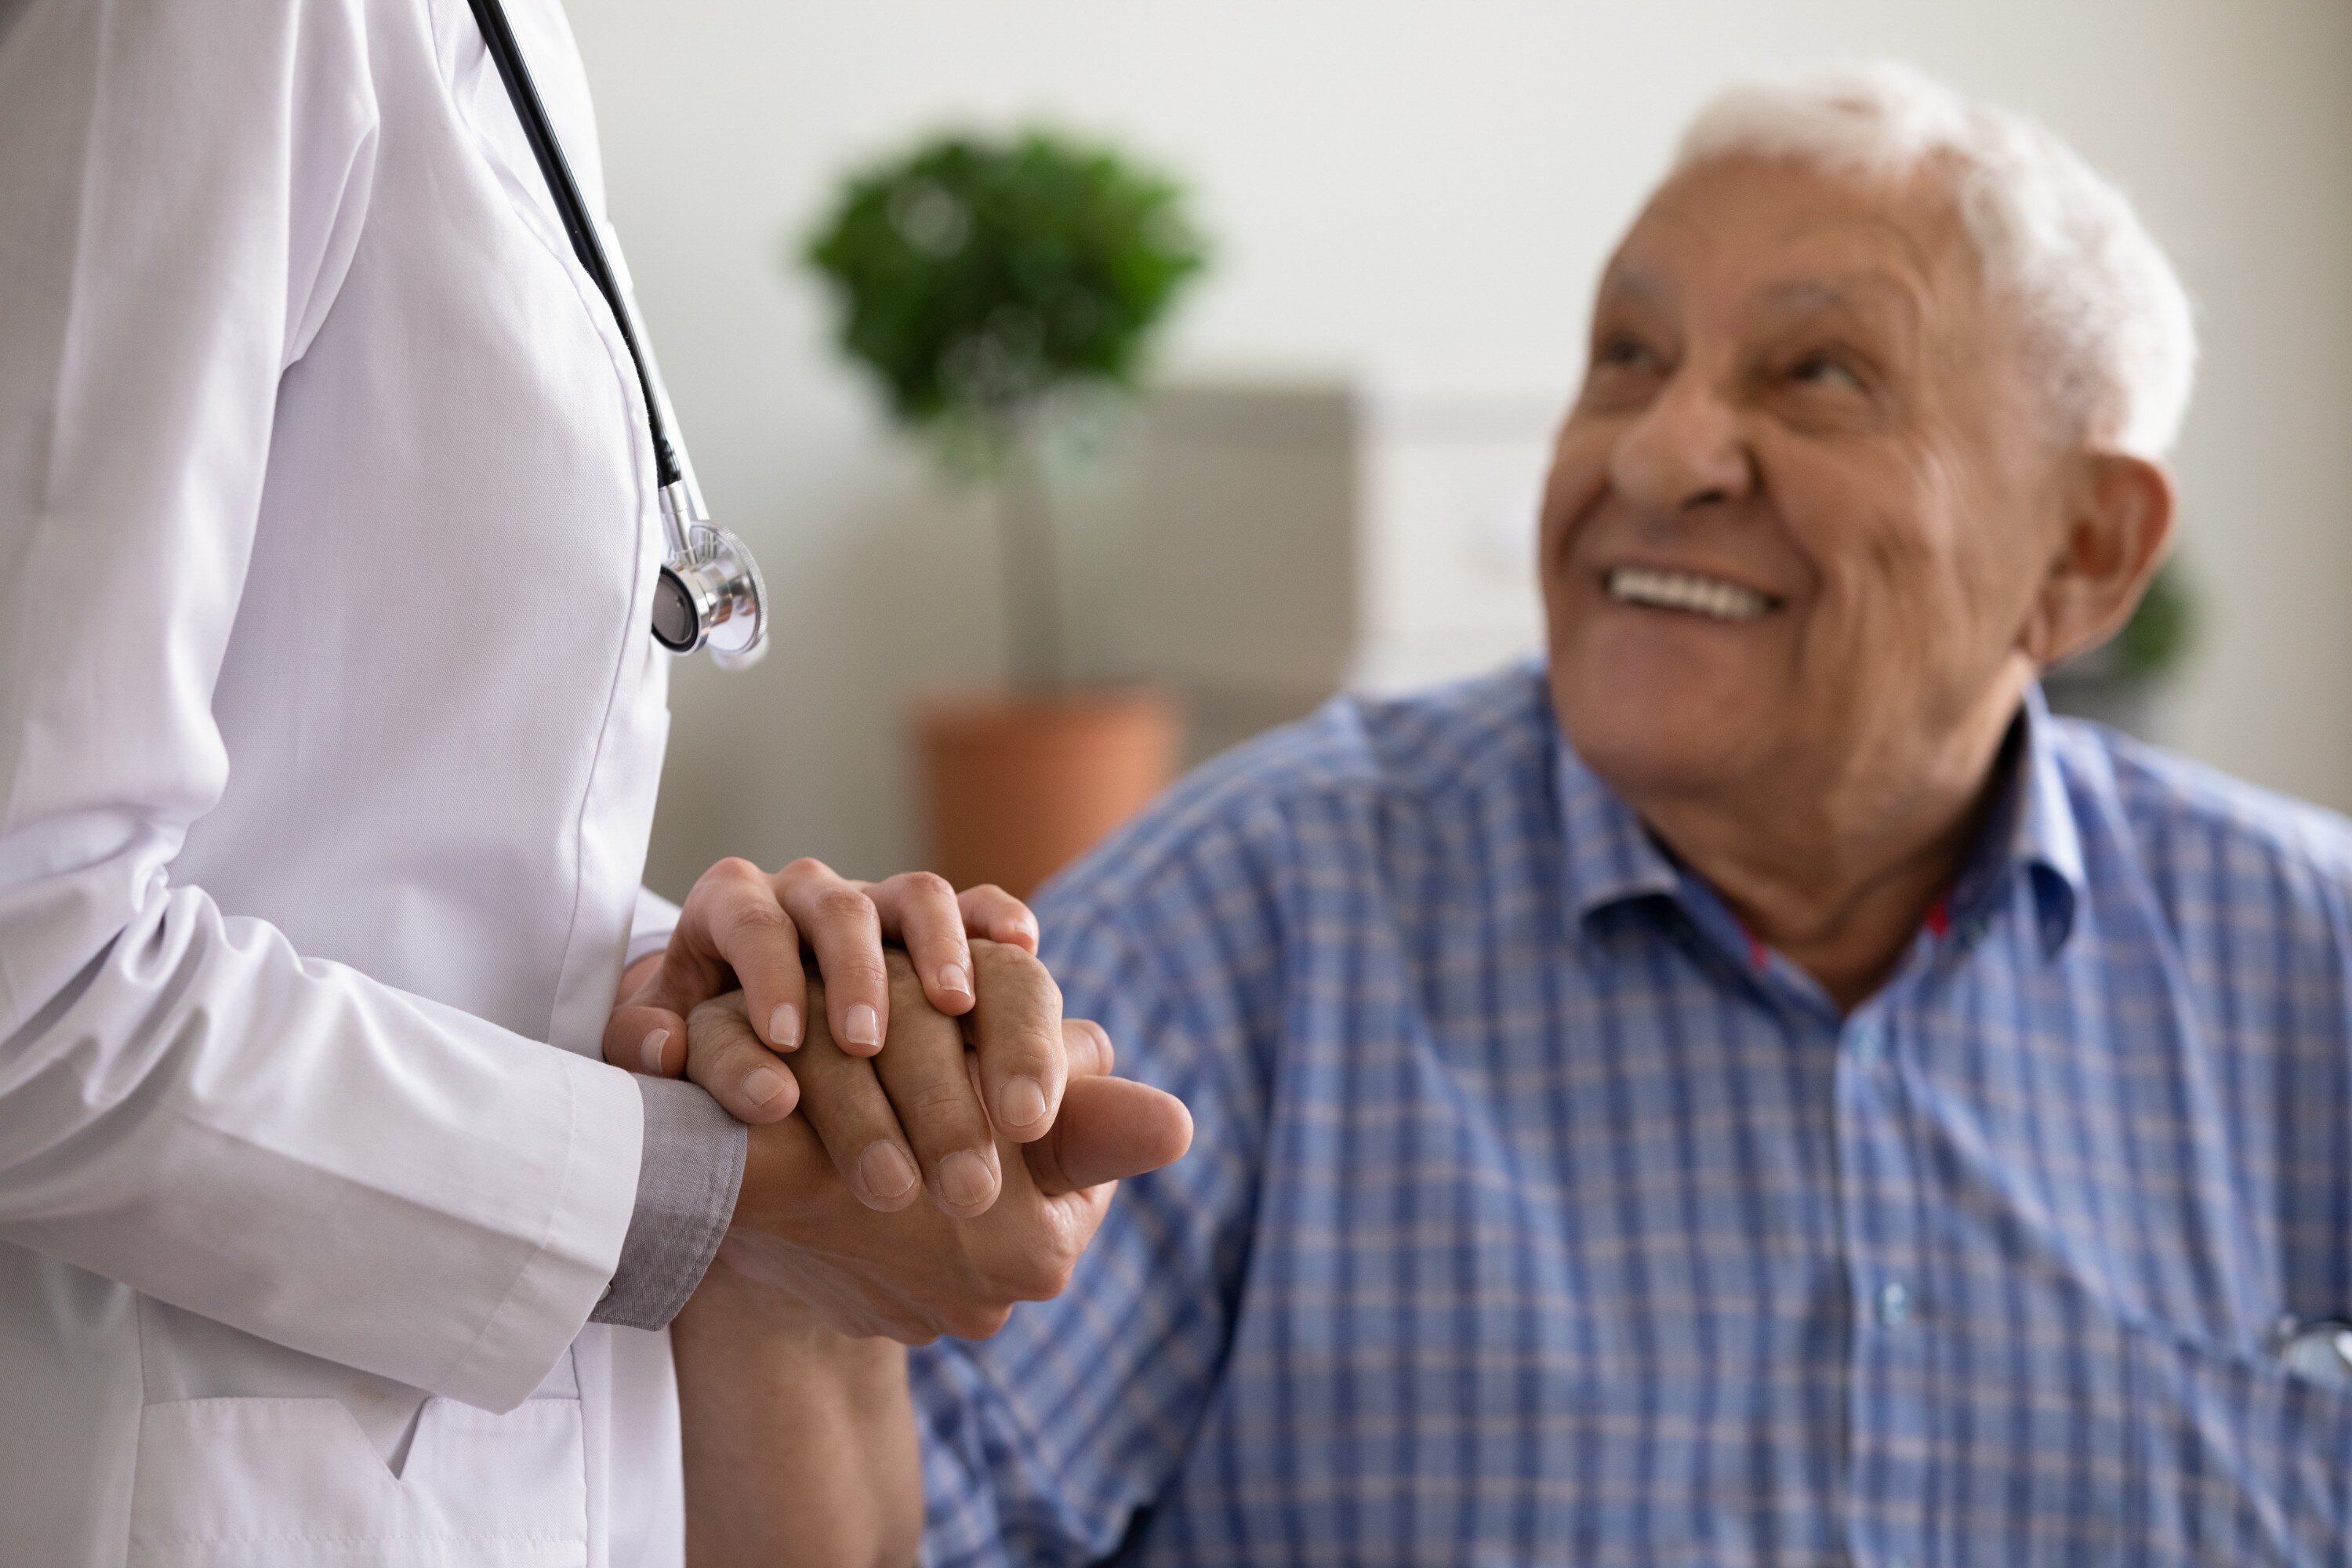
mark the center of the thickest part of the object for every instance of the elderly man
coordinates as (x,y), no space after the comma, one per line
(1758,1090)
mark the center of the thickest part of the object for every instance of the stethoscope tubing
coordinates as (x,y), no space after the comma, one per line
(709,592)
(585,244)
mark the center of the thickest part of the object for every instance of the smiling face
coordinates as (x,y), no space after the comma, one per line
(1804,510)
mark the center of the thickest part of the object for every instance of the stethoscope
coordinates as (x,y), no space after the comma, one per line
(2319,1351)
(710,594)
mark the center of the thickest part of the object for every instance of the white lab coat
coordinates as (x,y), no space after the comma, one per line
(330,728)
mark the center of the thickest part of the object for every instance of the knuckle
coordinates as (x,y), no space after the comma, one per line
(844,905)
(940,1101)
(1008,965)
(709,1041)
(754,918)
(723,1050)
(925,885)
(730,873)
(720,1056)
(717,1012)
(807,869)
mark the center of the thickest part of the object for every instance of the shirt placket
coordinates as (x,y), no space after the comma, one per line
(1890,1306)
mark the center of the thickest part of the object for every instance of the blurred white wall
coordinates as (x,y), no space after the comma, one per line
(1422,191)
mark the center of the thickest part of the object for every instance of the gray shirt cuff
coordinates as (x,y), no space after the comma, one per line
(687,1181)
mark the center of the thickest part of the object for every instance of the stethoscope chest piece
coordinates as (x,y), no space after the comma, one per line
(2321,1352)
(712,596)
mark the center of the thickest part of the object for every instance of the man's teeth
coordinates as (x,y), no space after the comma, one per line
(1686,591)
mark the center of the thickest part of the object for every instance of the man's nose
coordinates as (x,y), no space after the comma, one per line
(1686,450)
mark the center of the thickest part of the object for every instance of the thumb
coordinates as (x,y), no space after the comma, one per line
(1109,1128)
(645,1040)
(1086,1045)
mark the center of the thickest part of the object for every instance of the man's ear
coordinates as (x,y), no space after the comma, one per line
(2120,520)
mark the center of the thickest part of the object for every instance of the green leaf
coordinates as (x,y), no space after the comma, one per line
(977,278)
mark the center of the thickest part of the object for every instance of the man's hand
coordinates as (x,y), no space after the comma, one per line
(741,928)
(785,1349)
(805,1224)
(920,1111)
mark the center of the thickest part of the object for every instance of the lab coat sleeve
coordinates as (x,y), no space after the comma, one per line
(187,1104)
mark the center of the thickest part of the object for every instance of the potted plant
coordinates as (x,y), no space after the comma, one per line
(988,285)
(2121,681)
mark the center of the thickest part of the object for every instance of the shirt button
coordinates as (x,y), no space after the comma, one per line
(1893,1304)
(1869,1045)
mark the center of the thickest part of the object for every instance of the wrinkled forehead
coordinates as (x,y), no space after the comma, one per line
(1745,241)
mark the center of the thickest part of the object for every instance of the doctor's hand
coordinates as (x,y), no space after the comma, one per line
(803,1225)
(743,928)
(930,1109)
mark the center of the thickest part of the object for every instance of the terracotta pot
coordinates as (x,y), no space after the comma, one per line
(1016,786)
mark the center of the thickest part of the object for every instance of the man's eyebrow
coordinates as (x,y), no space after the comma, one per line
(1807,297)
(1869,294)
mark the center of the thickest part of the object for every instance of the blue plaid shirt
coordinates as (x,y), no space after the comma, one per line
(1537,1216)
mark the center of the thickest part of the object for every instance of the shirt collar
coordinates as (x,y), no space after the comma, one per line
(2032,831)
(1611,859)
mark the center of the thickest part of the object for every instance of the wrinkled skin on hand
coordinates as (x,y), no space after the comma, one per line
(921,1271)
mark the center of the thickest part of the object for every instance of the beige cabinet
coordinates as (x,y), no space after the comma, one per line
(1289,539)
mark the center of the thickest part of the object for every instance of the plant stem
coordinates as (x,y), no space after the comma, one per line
(1033,590)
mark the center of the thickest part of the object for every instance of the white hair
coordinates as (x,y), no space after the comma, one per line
(2101,301)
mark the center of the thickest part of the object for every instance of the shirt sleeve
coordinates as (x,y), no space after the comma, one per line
(687,1181)
(1041,1445)
(188,1104)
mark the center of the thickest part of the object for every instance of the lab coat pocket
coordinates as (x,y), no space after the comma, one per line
(271,1483)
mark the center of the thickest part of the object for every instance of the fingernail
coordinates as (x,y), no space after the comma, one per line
(862,1027)
(1020,1102)
(763,1086)
(954,980)
(886,1173)
(965,1179)
(650,1052)
(784,1027)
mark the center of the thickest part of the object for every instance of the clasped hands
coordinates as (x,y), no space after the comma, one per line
(940,1069)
